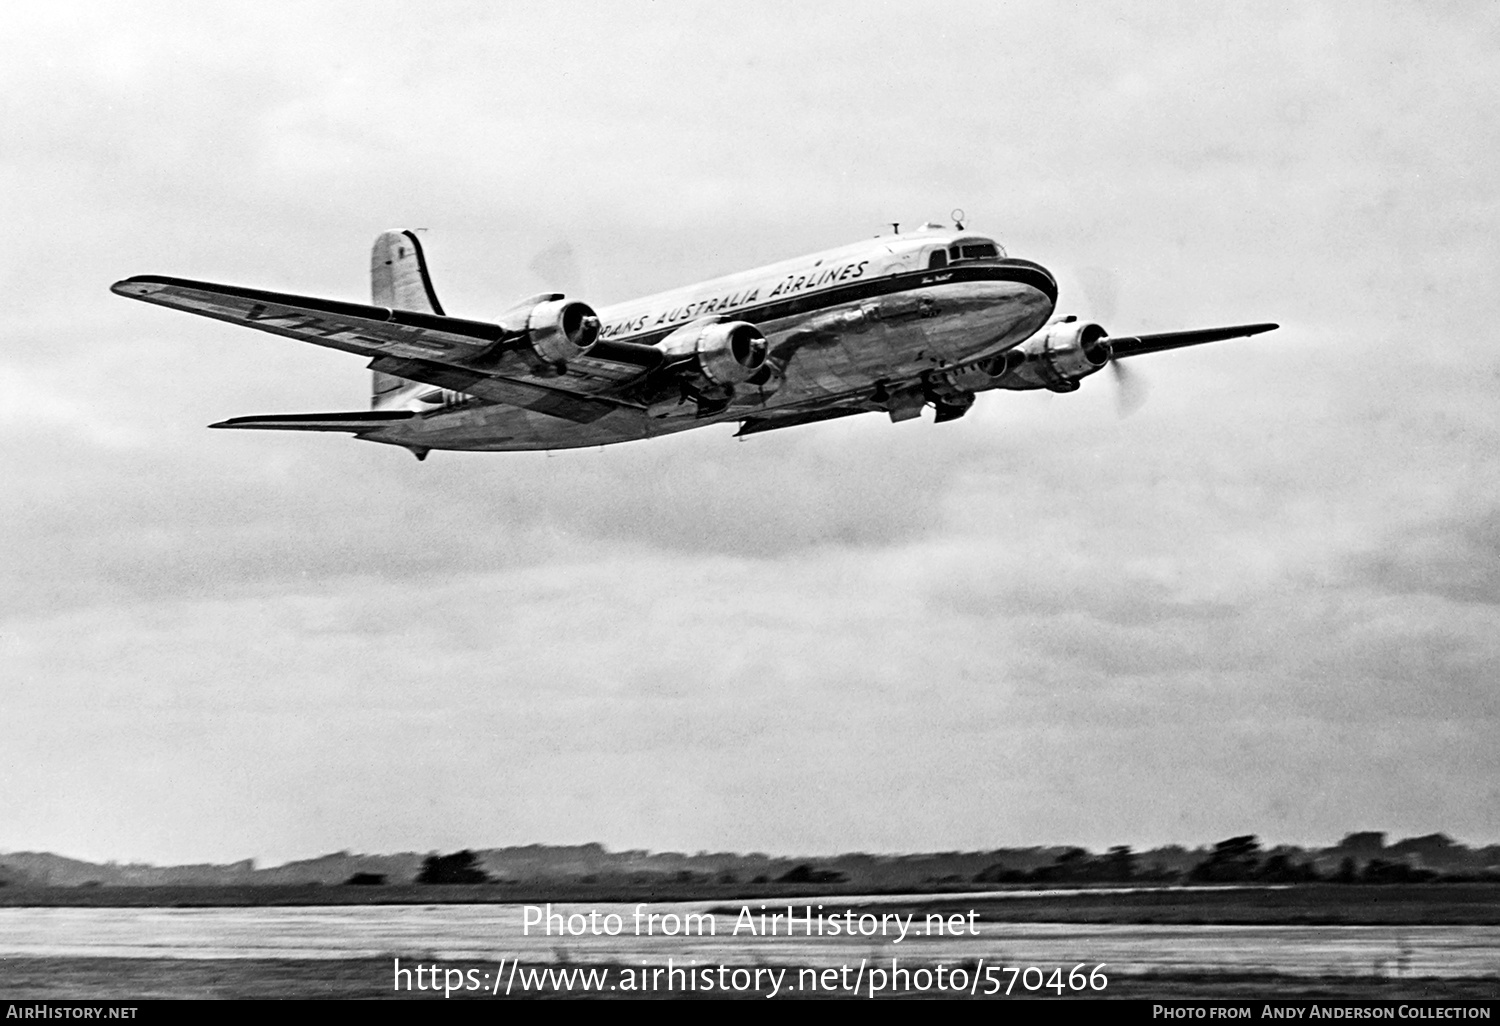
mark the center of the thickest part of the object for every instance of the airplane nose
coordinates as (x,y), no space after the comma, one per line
(1035,275)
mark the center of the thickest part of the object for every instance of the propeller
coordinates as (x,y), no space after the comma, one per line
(1131,390)
(1102,287)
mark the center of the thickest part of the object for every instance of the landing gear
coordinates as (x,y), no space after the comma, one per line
(901,404)
(950,403)
(952,407)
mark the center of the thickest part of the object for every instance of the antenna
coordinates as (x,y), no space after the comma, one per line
(958,216)
(895,227)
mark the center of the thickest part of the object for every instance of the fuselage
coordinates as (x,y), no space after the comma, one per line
(868,318)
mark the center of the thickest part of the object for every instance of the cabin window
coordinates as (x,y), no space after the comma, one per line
(952,252)
(980,251)
(938,259)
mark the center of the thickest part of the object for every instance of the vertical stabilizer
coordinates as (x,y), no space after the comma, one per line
(399,281)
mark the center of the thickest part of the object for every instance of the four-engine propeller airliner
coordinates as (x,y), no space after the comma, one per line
(891,324)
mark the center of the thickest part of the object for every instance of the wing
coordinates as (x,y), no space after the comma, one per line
(483,359)
(1138,345)
(360,422)
(352,327)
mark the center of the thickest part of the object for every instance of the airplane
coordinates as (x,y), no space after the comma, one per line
(893,324)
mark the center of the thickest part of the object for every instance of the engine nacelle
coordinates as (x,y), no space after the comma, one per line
(978,376)
(1059,355)
(726,354)
(556,329)
(562,329)
(1056,357)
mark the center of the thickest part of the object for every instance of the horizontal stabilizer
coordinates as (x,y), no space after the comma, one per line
(359,422)
(1138,345)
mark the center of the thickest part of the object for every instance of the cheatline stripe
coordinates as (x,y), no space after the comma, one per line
(1021,272)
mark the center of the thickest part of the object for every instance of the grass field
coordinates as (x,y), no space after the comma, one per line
(1399,905)
(1457,904)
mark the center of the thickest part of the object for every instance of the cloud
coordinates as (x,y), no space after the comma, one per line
(1456,559)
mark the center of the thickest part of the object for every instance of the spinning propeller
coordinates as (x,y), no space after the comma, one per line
(1131,390)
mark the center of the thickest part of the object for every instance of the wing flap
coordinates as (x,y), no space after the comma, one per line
(617,362)
(756,425)
(581,409)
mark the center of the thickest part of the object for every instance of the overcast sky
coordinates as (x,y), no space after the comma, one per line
(1269,602)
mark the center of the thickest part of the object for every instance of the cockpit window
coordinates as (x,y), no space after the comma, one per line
(974,249)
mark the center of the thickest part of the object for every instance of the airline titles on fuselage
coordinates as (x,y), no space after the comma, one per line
(716,304)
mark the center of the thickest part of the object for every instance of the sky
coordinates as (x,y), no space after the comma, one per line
(1267,602)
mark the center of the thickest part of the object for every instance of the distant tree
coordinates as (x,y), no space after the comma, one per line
(462,867)
(1280,868)
(1000,873)
(1364,841)
(1158,872)
(1430,850)
(1119,863)
(1233,860)
(1379,871)
(805,873)
(1071,865)
(366,879)
(1347,873)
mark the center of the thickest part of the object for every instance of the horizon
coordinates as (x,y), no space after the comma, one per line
(1265,845)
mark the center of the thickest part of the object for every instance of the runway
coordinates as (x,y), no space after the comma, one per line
(488,933)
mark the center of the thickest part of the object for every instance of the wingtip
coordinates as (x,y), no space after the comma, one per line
(136,286)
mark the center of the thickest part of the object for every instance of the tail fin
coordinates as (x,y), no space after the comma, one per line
(399,281)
